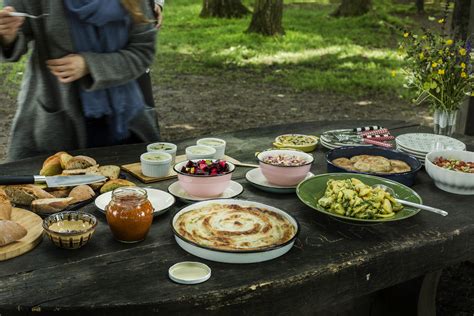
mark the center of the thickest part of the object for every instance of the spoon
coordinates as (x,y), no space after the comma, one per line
(26,15)
(408,203)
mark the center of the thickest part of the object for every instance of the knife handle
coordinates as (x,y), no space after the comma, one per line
(6,180)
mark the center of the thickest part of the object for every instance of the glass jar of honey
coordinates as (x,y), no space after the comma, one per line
(129,214)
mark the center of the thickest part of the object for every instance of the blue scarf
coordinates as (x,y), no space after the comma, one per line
(102,26)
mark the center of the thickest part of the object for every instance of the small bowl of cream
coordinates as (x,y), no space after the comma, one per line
(200,152)
(216,143)
(156,164)
(70,230)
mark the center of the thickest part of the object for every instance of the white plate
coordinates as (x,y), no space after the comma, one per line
(160,200)
(327,145)
(339,144)
(233,190)
(235,256)
(420,156)
(257,179)
(423,143)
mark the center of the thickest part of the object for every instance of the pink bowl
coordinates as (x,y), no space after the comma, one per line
(204,186)
(285,175)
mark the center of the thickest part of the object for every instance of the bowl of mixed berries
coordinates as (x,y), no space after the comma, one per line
(204,177)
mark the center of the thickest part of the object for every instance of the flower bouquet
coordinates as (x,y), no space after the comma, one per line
(440,70)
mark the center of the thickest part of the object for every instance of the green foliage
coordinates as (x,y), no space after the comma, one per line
(353,56)
(439,68)
(346,55)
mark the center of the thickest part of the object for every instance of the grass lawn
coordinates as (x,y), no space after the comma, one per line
(353,56)
(350,56)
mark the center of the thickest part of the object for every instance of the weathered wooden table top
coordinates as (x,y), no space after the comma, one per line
(331,261)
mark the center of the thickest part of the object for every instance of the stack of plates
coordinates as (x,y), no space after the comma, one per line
(330,143)
(420,144)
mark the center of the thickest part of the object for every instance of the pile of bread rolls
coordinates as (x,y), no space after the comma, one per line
(46,201)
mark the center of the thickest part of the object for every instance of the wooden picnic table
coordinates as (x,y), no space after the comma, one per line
(334,266)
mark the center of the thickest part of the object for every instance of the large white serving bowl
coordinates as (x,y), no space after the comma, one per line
(228,256)
(448,180)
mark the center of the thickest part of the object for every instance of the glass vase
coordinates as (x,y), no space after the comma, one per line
(444,122)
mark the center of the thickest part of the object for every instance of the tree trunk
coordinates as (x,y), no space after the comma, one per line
(267,18)
(420,6)
(353,8)
(223,9)
(460,22)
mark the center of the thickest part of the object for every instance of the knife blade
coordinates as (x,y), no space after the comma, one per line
(53,181)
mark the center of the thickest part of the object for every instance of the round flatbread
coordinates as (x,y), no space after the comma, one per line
(234,227)
(399,166)
(375,164)
(343,163)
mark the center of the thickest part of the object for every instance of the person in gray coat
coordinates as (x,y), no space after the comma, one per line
(79,86)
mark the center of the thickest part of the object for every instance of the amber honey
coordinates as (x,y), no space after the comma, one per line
(129,214)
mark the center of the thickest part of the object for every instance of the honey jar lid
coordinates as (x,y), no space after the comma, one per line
(189,272)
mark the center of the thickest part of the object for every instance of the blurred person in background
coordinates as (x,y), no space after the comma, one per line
(145,80)
(158,8)
(79,88)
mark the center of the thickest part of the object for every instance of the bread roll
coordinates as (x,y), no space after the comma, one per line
(96,186)
(80,162)
(81,193)
(11,232)
(52,165)
(59,192)
(114,184)
(111,172)
(50,206)
(64,158)
(25,194)
(5,206)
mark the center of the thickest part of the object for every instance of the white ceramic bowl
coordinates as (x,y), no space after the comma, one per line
(449,180)
(234,256)
(169,148)
(200,152)
(217,143)
(153,167)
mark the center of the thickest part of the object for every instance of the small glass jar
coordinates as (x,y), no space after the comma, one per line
(129,214)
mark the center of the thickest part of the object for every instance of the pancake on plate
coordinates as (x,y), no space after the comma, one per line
(234,227)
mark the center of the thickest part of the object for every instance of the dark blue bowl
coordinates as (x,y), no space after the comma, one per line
(406,178)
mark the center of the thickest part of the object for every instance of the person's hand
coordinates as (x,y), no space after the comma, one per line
(159,16)
(69,68)
(9,26)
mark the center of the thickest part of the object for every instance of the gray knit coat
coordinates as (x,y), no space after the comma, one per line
(49,116)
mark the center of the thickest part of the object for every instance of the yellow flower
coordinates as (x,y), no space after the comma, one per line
(406,34)
(394,73)
(441,72)
(463,65)
(463,75)
(434,65)
(441,21)
(422,56)
(462,52)
(449,42)
(440,61)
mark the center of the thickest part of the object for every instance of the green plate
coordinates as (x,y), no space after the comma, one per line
(312,189)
